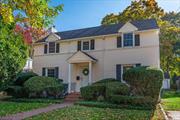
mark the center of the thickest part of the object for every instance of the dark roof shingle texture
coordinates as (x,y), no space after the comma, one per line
(104,30)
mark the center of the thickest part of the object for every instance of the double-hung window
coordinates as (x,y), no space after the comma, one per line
(86,45)
(128,39)
(51,47)
(50,71)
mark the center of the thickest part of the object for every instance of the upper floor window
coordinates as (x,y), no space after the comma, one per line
(86,45)
(51,47)
(128,39)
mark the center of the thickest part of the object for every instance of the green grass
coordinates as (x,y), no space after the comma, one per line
(36,100)
(12,105)
(7,108)
(171,100)
(171,103)
(170,94)
(91,113)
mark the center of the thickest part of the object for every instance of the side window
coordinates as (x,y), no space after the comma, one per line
(137,40)
(128,39)
(119,42)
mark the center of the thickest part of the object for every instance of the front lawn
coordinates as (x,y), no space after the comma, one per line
(171,100)
(7,108)
(92,113)
(13,106)
(171,103)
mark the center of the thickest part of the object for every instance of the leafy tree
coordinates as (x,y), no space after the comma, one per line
(169,36)
(169,33)
(173,18)
(138,10)
(13,54)
(21,22)
(37,13)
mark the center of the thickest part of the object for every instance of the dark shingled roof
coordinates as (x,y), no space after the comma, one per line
(104,30)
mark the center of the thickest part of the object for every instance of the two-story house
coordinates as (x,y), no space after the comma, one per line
(83,56)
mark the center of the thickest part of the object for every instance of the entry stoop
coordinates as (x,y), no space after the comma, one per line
(73,97)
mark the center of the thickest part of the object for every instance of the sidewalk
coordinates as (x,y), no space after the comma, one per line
(173,115)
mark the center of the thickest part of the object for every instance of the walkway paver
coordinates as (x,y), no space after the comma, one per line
(23,115)
(173,115)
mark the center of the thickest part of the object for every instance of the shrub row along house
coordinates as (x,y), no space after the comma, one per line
(83,56)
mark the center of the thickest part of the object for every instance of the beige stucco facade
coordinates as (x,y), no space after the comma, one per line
(106,53)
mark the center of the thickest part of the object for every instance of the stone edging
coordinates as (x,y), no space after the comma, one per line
(163,112)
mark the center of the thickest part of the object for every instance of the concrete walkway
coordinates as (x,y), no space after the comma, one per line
(173,115)
(23,115)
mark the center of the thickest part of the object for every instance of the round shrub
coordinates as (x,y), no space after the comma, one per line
(40,86)
(116,88)
(16,91)
(107,80)
(23,77)
(144,81)
(92,92)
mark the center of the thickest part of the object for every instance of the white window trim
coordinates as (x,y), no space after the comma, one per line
(122,42)
(55,48)
(89,45)
(46,70)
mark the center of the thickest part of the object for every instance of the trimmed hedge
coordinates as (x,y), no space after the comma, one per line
(92,92)
(107,80)
(16,91)
(116,88)
(110,105)
(23,77)
(144,81)
(40,86)
(103,89)
(133,100)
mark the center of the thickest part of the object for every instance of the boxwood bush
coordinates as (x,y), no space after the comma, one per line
(133,100)
(145,83)
(114,88)
(92,92)
(23,77)
(40,86)
(107,80)
(104,89)
(16,91)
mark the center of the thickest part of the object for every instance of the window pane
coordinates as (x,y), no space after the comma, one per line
(51,47)
(128,39)
(86,45)
(51,72)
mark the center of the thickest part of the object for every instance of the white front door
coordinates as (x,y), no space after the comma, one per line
(84,79)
